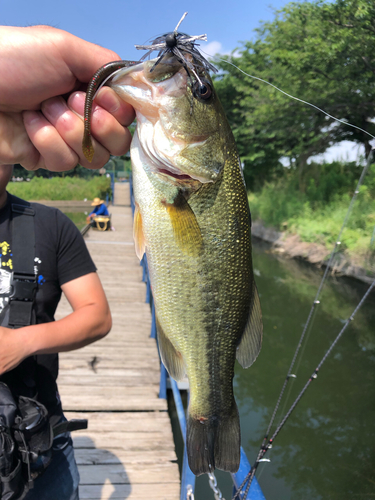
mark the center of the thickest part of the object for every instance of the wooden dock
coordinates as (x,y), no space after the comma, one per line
(128,451)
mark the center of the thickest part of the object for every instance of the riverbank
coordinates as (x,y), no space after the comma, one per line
(315,253)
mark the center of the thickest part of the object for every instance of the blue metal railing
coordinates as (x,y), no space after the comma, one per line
(112,175)
(187,476)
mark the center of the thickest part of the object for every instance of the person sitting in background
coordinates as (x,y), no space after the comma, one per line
(100,209)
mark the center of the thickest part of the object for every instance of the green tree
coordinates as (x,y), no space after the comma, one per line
(321,52)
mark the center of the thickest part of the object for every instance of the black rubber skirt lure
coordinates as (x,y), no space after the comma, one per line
(183,48)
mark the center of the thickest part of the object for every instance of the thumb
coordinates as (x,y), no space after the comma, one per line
(84,58)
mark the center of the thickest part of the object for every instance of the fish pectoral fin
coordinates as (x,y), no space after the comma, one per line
(139,239)
(185,226)
(172,359)
(251,340)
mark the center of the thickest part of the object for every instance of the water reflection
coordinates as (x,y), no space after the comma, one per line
(326,449)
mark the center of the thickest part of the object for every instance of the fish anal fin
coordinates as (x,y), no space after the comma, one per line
(170,357)
(139,239)
(251,340)
(185,226)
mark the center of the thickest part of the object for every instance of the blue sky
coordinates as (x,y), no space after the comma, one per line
(120,24)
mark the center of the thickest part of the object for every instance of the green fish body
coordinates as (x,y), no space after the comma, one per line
(193,221)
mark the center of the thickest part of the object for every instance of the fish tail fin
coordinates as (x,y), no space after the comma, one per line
(214,443)
(228,442)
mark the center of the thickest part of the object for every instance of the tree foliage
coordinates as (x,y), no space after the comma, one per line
(322,52)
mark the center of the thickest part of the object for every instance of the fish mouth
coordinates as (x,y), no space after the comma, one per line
(179,177)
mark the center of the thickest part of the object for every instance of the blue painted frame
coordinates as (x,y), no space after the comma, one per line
(111,174)
(187,476)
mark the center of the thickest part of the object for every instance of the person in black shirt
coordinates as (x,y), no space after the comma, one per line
(28,355)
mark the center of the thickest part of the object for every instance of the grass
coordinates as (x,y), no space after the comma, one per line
(61,188)
(318,216)
(79,219)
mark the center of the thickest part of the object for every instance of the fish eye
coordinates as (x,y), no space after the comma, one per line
(202,90)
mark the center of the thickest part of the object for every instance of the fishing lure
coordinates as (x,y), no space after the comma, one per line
(179,44)
(182,46)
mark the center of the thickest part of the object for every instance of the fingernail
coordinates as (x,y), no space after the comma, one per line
(109,101)
(31,117)
(53,108)
(76,102)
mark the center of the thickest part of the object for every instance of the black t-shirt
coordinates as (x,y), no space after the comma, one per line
(60,256)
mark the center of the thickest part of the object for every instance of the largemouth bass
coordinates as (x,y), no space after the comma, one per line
(192,219)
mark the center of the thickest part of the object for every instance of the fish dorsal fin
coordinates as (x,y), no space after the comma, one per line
(185,226)
(139,239)
(251,340)
(172,359)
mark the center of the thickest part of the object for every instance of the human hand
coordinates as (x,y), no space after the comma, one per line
(13,350)
(39,128)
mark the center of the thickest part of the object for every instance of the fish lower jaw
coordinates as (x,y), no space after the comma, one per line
(182,179)
(175,175)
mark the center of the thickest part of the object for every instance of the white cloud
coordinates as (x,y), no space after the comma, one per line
(212,48)
(344,151)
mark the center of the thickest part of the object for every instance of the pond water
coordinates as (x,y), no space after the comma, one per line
(326,450)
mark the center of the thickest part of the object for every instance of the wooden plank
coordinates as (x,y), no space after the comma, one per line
(131,474)
(106,381)
(128,449)
(107,491)
(132,422)
(108,364)
(96,456)
(147,347)
(130,404)
(137,442)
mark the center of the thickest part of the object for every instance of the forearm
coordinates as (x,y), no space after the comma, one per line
(89,321)
(81,327)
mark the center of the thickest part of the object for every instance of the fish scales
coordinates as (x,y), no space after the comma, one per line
(193,221)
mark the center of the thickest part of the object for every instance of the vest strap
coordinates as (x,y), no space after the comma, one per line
(24,284)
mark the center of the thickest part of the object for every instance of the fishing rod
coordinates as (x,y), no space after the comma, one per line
(267,443)
(317,296)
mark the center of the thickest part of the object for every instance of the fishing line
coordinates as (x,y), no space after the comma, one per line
(337,243)
(265,447)
(316,300)
(289,95)
(311,315)
(372,238)
(293,376)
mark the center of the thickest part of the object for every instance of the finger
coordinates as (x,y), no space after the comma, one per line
(15,145)
(105,128)
(54,153)
(84,58)
(121,110)
(70,127)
